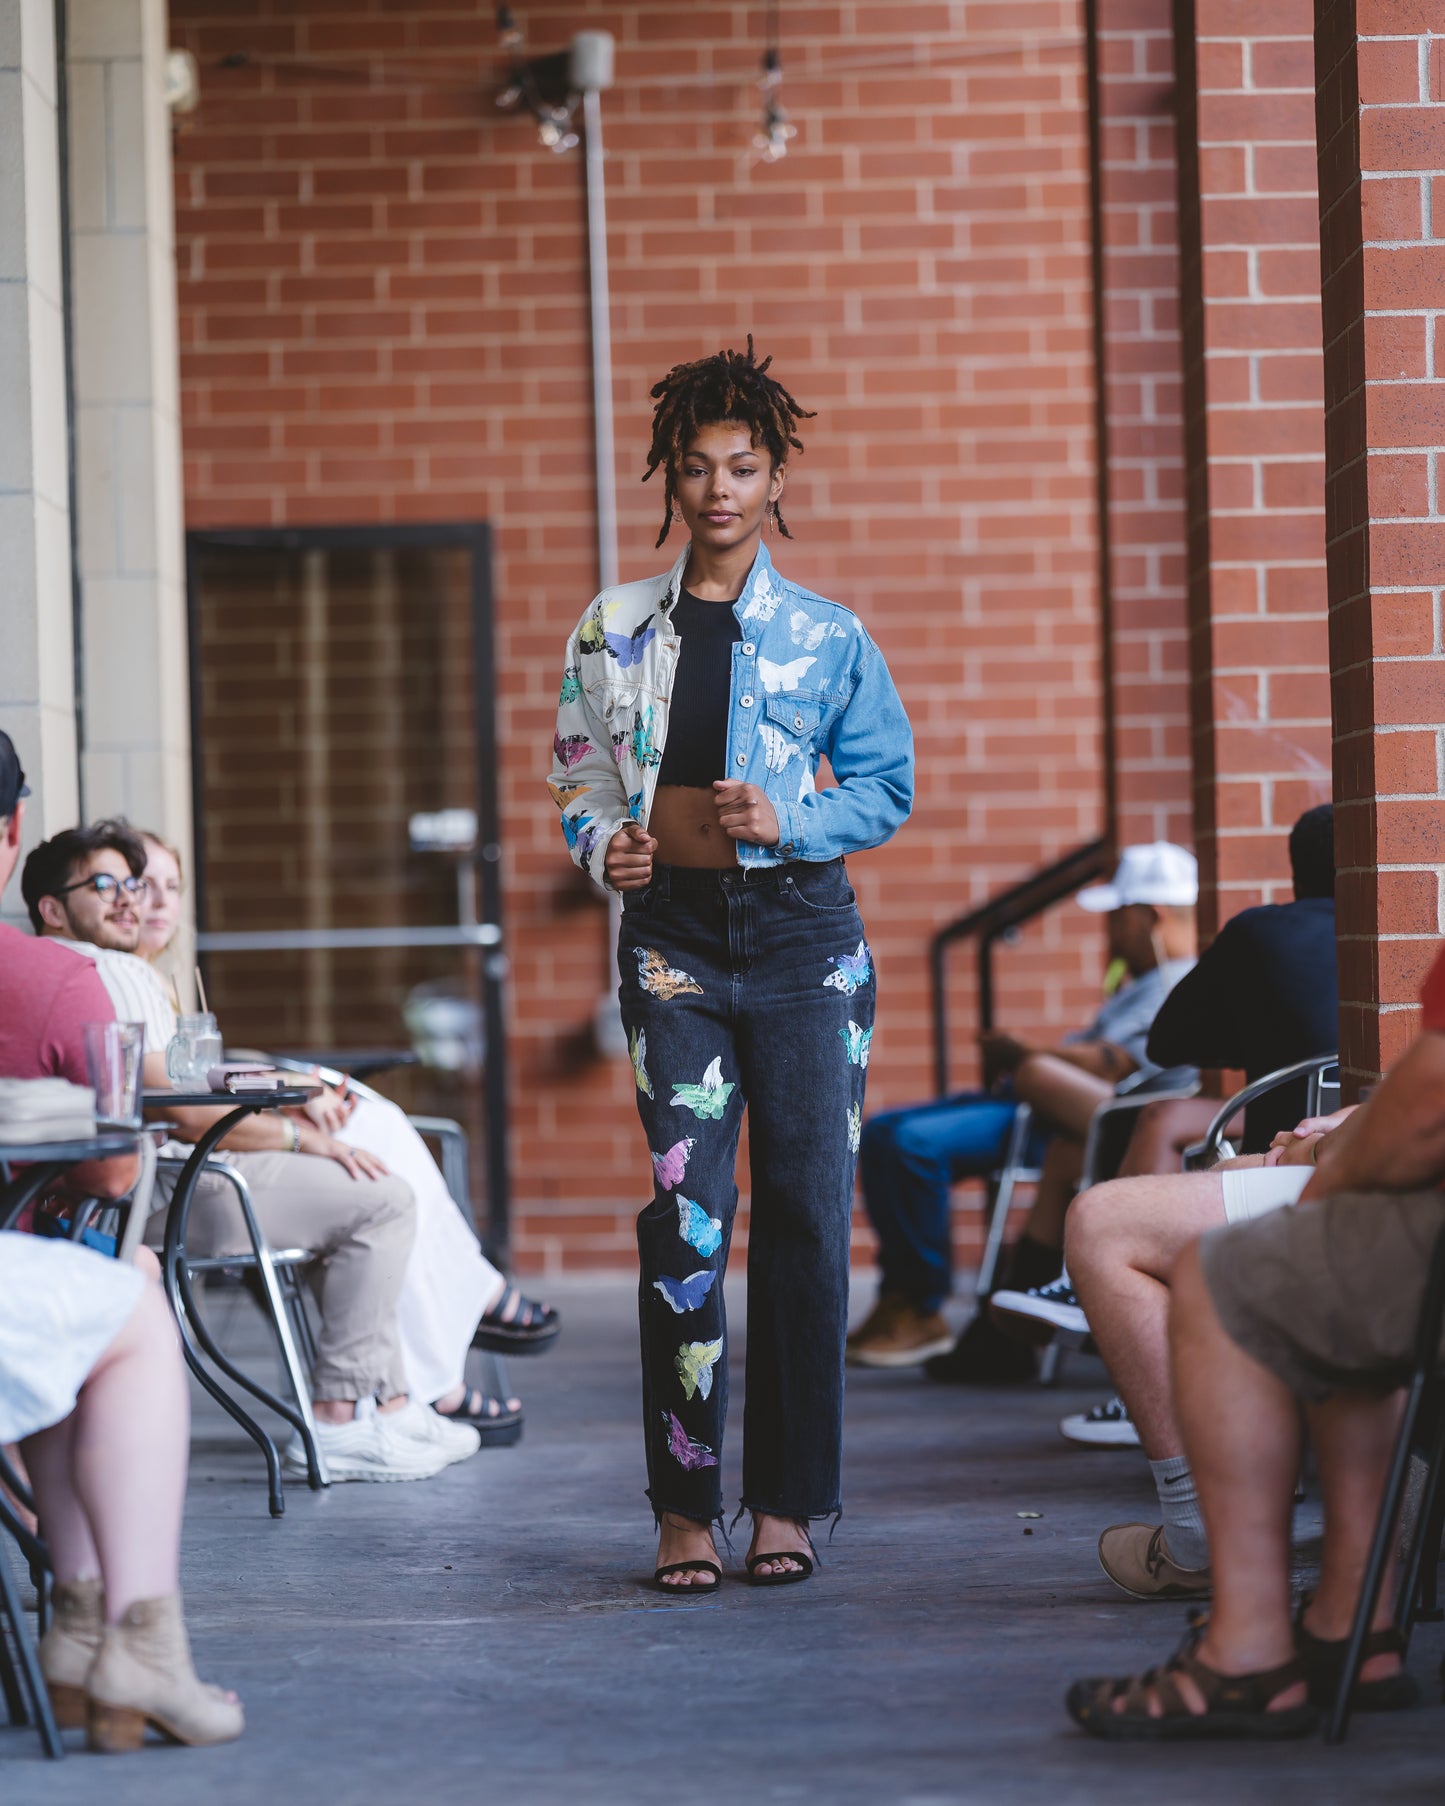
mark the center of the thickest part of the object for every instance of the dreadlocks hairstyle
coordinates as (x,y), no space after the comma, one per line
(729,386)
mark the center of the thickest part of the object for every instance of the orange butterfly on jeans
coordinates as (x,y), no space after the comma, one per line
(662,980)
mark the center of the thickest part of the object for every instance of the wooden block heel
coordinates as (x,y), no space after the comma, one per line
(115,1730)
(71,1706)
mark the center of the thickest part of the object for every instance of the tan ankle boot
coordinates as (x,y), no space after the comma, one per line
(143,1676)
(69,1648)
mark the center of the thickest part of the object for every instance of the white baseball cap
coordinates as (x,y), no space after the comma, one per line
(1157,873)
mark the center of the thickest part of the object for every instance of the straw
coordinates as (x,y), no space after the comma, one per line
(201,991)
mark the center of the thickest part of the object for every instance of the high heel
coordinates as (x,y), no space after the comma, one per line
(69,1648)
(143,1676)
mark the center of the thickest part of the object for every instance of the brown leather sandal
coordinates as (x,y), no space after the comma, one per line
(1235,1705)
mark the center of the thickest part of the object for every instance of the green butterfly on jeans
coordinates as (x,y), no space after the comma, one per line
(710,1098)
(694,1363)
(855,1128)
(637,1047)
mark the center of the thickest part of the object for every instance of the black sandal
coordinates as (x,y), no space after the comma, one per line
(1324,1661)
(517,1326)
(685,1567)
(497,1423)
(789,1576)
(1235,1705)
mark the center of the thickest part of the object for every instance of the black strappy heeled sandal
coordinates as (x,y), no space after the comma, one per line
(699,1564)
(789,1576)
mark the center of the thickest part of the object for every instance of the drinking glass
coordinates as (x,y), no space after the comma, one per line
(193,1050)
(114,1052)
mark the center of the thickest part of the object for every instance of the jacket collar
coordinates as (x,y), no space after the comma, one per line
(761,571)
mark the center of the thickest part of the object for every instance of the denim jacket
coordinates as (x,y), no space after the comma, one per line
(807,683)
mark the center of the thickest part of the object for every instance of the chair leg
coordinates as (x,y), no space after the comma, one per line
(30,1683)
(1421,1566)
(999,1207)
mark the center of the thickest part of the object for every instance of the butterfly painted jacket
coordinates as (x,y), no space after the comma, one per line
(807,682)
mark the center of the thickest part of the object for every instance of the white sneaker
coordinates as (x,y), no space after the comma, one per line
(457,1441)
(1107,1426)
(369,1448)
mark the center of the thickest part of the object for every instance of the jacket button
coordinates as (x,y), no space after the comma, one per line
(746,701)
(749,649)
(797,721)
(742,758)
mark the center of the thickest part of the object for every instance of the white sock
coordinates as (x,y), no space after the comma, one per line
(1184,1536)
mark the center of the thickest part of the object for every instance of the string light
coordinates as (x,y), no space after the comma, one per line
(771,143)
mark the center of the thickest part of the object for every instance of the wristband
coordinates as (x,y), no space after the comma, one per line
(293,1135)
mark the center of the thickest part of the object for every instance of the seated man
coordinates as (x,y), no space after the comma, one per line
(1316,1306)
(911,1157)
(1268,980)
(79,888)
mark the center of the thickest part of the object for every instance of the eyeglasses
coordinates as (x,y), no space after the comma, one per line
(104,886)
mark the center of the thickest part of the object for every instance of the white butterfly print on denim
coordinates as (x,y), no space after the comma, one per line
(779,748)
(810,634)
(783,677)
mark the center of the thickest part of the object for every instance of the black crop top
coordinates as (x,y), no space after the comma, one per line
(696,752)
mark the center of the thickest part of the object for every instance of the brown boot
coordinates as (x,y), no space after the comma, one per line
(69,1648)
(897,1334)
(143,1676)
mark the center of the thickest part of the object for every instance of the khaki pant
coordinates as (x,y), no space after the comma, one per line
(361,1233)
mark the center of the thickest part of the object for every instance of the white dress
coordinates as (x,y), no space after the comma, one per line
(449,1281)
(61,1307)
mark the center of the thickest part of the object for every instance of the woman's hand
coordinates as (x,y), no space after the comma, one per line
(329,1110)
(357,1161)
(628,859)
(745,813)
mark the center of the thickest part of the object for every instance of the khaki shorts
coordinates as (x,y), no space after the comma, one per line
(1327,1295)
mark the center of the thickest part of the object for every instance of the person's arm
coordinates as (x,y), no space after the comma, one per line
(1196,1025)
(266,1132)
(870,751)
(1100,1059)
(1395,1141)
(586,780)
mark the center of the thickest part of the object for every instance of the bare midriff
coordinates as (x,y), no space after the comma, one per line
(684,823)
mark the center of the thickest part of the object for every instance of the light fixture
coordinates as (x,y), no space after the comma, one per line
(771,143)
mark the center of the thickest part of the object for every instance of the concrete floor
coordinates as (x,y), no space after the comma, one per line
(486,1637)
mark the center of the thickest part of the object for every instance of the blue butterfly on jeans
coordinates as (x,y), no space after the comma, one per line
(697,1228)
(853,969)
(686,1294)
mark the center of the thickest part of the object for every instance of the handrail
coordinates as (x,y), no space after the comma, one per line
(991,922)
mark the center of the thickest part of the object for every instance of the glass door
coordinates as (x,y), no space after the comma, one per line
(343,746)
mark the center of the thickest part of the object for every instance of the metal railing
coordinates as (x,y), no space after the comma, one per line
(996,920)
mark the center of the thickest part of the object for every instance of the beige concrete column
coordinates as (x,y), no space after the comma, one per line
(37,699)
(136,721)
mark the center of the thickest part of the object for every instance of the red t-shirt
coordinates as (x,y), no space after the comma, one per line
(46,994)
(1432,995)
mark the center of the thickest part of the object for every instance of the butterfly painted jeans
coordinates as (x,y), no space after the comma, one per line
(748,988)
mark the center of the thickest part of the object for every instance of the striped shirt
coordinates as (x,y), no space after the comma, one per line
(134,989)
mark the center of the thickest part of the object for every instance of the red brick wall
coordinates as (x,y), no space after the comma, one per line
(1382,200)
(383,317)
(1253,377)
(1137,190)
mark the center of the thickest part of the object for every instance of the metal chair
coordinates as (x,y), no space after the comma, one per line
(1421,1433)
(1323,1095)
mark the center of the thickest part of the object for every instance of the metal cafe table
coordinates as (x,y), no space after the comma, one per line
(195,1336)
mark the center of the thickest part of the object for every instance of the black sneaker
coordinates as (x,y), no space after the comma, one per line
(1039,1313)
(983,1356)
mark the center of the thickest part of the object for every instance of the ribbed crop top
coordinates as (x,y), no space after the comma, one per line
(697,741)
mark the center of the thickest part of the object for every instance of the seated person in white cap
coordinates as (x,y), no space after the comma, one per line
(911,1157)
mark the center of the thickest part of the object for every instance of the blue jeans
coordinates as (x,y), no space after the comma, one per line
(910,1158)
(750,985)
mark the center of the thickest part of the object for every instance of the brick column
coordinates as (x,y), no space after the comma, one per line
(1381,115)
(1254,440)
(1141,426)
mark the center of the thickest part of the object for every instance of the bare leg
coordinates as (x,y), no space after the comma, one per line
(1162,1131)
(1353,1433)
(110,1479)
(1123,1240)
(1058,1181)
(1242,1436)
(684,1539)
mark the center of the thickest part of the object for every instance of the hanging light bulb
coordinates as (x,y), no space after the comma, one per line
(771,143)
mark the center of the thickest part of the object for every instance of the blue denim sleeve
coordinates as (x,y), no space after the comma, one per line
(870,750)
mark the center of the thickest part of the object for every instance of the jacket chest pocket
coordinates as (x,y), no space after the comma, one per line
(798,716)
(614,703)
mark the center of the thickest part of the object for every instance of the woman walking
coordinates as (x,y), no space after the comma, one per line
(695,708)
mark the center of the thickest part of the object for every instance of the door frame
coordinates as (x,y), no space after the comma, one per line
(474,537)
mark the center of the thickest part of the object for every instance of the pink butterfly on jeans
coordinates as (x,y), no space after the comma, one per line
(670,1166)
(688,1454)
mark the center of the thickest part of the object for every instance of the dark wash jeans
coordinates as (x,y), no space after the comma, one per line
(747,986)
